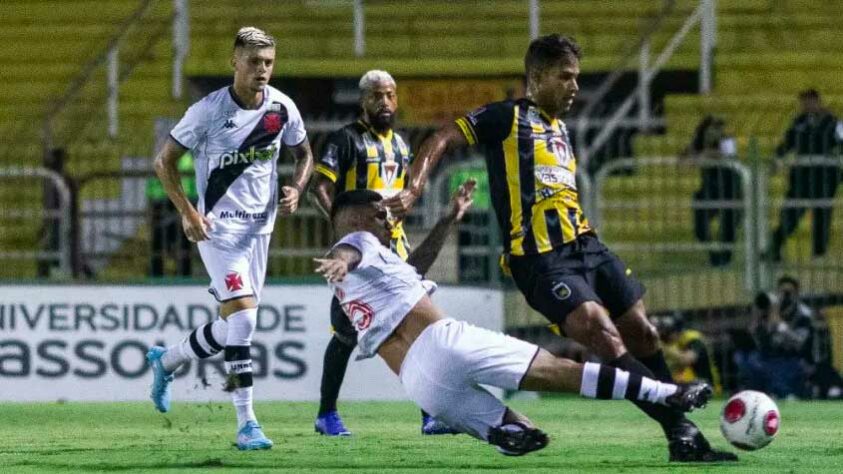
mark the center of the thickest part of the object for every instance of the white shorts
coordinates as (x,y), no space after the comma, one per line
(236,264)
(445,365)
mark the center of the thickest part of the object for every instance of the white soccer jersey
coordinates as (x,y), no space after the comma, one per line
(379,293)
(235,153)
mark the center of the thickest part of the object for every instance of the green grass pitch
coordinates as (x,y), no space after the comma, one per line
(586,436)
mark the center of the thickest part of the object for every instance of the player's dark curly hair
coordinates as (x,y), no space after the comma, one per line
(356,197)
(546,51)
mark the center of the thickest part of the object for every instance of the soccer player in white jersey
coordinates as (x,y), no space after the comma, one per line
(441,361)
(235,134)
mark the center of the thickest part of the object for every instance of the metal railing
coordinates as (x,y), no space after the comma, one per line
(107,55)
(704,15)
(648,210)
(56,250)
(658,173)
(97,86)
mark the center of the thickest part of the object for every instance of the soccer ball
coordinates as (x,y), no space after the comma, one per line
(750,420)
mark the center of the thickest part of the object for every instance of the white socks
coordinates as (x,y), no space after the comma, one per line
(607,383)
(203,342)
(238,362)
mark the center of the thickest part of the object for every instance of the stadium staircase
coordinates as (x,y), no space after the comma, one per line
(767,51)
(48,45)
(760,64)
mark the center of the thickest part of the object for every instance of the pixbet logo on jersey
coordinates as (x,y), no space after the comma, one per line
(249,156)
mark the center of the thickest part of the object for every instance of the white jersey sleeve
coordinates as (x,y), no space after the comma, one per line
(365,243)
(193,126)
(294,132)
(378,293)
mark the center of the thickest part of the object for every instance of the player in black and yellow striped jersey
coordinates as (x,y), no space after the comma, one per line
(366,154)
(531,175)
(556,259)
(360,156)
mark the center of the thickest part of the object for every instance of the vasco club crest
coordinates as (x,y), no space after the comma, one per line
(272,122)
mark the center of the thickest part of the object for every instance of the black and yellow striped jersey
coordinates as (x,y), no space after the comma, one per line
(532,168)
(358,157)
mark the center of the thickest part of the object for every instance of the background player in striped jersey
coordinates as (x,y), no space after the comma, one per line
(441,361)
(365,154)
(557,261)
(235,134)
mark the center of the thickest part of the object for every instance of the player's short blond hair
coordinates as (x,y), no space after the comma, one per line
(375,76)
(251,37)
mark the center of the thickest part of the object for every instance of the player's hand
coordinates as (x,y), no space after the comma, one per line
(333,269)
(461,201)
(290,202)
(400,204)
(196,226)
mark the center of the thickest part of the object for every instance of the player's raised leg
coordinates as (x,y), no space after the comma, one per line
(548,373)
(621,295)
(237,265)
(686,441)
(591,325)
(203,342)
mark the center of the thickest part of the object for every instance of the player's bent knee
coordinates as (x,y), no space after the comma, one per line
(639,334)
(591,326)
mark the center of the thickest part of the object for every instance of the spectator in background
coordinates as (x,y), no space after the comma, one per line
(776,366)
(686,352)
(165,222)
(718,183)
(814,132)
(823,380)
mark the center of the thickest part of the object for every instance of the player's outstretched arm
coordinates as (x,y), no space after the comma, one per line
(429,154)
(339,261)
(322,194)
(196,226)
(423,257)
(304,169)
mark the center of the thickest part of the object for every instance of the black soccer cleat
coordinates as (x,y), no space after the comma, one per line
(689,397)
(686,443)
(516,439)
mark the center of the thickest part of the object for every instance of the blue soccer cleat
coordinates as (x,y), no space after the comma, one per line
(330,424)
(432,426)
(161,379)
(251,437)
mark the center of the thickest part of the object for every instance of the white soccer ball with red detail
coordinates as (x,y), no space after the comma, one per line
(750,420)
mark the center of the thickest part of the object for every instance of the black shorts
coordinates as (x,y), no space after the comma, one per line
(555,283)
(341,325)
